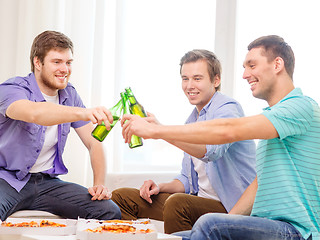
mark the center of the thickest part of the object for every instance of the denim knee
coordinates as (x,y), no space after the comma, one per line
(114,211)
(223,226)
(105,210)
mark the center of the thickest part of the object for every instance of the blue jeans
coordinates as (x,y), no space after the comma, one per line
(237,227)
(53,195)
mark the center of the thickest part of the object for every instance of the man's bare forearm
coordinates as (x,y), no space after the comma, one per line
(195,150)
(217,131)
(245,203)
(175,186)
(44,113)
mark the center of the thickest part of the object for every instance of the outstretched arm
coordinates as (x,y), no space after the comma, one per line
(195,150)
(217,131)
(48,114)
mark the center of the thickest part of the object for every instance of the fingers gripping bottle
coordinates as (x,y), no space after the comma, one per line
(135,140)
(100,132)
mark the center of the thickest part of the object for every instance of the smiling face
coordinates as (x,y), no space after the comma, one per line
(260,74)
(53,74)
(196,83)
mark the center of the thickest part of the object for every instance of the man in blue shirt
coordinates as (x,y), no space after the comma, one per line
(283,200)
(213,177)
(36,113)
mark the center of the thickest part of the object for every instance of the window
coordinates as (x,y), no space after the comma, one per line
(150,38)
(139,43)
(296,22)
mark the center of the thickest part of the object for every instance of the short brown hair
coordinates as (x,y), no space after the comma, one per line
(214,66)
(47,41)
(275,46)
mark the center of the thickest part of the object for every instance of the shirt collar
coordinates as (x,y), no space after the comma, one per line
(294,93)
(205,108)
(34,87)
(63,95)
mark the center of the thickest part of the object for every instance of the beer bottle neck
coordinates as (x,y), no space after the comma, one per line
(132,100)
(126,109)
(116,109)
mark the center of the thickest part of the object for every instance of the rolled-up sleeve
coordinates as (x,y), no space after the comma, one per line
(226,110)
(184,181)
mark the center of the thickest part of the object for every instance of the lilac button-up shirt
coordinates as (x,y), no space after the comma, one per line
(21,142)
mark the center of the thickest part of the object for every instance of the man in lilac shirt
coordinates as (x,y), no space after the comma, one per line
(36,113)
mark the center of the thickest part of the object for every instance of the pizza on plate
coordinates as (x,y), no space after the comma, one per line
(127,221)
(43,223)
(118,228)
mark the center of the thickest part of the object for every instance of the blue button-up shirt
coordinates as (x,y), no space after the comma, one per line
(21,142)
(229,167)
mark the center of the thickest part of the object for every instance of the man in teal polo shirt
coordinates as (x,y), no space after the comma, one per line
(284,200)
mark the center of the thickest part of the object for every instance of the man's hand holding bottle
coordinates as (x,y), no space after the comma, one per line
(98,115)
(136,125)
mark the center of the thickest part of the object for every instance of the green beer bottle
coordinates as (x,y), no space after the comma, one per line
(135,107)
(135,140)
(100,132)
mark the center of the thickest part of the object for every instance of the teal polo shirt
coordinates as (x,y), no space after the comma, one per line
(288,167)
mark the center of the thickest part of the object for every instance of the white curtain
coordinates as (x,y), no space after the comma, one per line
(81,20)
(299,28)
(139,43)
(119,43)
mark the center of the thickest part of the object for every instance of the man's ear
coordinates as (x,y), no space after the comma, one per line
(37,63)
(278,64)
(216,81)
